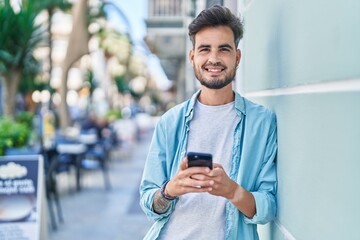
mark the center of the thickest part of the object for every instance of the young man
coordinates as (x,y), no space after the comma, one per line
(239,192)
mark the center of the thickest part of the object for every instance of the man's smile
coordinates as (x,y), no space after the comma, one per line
(214,69)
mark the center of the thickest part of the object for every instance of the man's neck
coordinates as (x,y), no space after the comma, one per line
(216,97)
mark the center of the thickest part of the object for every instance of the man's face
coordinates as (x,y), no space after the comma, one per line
(215,57)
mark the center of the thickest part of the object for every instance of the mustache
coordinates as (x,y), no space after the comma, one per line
(214,65)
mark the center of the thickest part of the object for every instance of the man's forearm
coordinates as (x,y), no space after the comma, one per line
(244,201)
(160,204)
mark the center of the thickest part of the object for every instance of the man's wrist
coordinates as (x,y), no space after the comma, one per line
(162,201)
(160,204)
(164,194)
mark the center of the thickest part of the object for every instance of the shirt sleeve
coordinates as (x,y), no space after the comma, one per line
(154,174)
(266,184)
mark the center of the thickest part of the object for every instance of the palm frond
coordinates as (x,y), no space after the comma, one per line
(19,36)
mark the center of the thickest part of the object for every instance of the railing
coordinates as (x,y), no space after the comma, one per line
(168,8)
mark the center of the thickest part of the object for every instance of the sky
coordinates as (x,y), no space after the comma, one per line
(135,12)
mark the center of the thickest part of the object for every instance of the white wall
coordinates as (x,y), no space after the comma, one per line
(302,60)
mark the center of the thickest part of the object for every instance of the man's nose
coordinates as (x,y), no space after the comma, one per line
(214,58)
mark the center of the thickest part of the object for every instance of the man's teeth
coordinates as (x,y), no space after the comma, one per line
(214,70)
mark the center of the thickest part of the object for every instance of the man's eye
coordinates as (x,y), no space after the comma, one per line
(204,50)
(224,49)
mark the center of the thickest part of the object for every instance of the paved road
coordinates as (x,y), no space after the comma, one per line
(97,214)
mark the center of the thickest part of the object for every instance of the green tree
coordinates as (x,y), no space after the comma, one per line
(19,36)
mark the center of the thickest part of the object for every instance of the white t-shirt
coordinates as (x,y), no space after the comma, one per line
(202,215)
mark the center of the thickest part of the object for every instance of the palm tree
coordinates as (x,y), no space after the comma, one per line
(19,36)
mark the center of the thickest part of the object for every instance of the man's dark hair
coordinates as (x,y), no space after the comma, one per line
(216,16)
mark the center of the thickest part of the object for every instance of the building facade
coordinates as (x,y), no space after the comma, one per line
(167,38)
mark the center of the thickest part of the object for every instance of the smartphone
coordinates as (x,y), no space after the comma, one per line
(197,159)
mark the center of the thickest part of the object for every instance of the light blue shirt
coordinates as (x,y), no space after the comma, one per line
(252,166)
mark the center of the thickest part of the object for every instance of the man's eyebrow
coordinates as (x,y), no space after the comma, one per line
(226,46)
(203,46)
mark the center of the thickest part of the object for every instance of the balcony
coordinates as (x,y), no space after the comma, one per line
(167,27)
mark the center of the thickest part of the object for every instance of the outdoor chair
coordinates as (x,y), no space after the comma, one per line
(96,154)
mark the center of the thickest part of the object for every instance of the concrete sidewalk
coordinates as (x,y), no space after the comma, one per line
(97,214)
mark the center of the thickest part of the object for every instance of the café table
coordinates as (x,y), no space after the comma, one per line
(75,150)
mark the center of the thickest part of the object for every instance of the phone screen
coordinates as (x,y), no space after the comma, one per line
(196,159)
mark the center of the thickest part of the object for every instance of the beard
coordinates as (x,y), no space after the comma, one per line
(217,82)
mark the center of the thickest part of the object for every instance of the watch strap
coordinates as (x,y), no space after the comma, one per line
(163,193)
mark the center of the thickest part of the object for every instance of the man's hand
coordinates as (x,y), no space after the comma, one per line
(193,179)
(183,183)
(215,182)
(222,185)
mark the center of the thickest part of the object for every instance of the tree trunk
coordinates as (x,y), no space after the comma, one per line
(10,89)
(64,115)
(77,47)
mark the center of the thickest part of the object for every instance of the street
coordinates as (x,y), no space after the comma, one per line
(95,213)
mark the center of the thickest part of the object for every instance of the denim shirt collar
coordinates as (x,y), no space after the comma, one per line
(239,104)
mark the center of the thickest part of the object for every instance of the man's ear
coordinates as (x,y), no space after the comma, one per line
(191,56)
(238,56)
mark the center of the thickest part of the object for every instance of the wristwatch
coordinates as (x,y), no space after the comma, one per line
(162,191)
